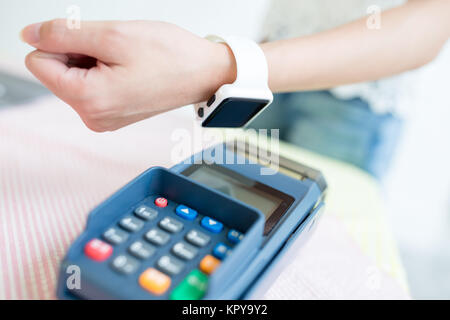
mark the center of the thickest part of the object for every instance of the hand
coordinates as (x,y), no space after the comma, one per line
(116,73)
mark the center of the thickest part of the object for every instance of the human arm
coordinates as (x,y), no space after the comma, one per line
(409,37)
(138,69)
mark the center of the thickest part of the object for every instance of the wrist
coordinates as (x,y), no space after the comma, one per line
(243,91)
(220,69)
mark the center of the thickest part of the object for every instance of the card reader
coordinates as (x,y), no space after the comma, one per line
(203,229)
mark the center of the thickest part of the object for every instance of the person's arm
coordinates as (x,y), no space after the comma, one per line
(138,69)
(409,37)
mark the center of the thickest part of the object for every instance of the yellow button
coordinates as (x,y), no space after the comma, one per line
(154,281)
(209,264)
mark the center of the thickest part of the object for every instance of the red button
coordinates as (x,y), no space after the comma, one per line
(161,202)
(98,250)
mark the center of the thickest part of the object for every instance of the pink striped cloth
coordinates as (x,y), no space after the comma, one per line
(53,171)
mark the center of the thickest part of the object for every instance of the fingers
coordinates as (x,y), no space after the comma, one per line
(68,83)
(99,39)
(75,86)
(49,68)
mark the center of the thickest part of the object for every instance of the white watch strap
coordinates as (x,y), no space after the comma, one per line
(251,63)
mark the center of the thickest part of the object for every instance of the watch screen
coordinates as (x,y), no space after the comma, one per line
(234,112)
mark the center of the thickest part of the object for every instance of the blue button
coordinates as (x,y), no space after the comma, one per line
(186,212)
(211,225)
(235,236)
(221,250)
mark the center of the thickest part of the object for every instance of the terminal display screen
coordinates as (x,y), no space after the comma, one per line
(271,202)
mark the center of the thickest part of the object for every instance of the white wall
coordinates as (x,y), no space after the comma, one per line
(418,186)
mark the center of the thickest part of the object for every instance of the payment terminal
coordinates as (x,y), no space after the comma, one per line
(203,229)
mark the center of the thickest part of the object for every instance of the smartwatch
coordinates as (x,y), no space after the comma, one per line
(236,104)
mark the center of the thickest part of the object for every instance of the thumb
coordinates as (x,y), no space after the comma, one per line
(93,38)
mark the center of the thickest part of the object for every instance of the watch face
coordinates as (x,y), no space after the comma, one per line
(234,112)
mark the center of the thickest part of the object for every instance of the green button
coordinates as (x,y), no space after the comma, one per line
(193,287)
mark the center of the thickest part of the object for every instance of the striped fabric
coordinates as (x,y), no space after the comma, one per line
(53,171)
